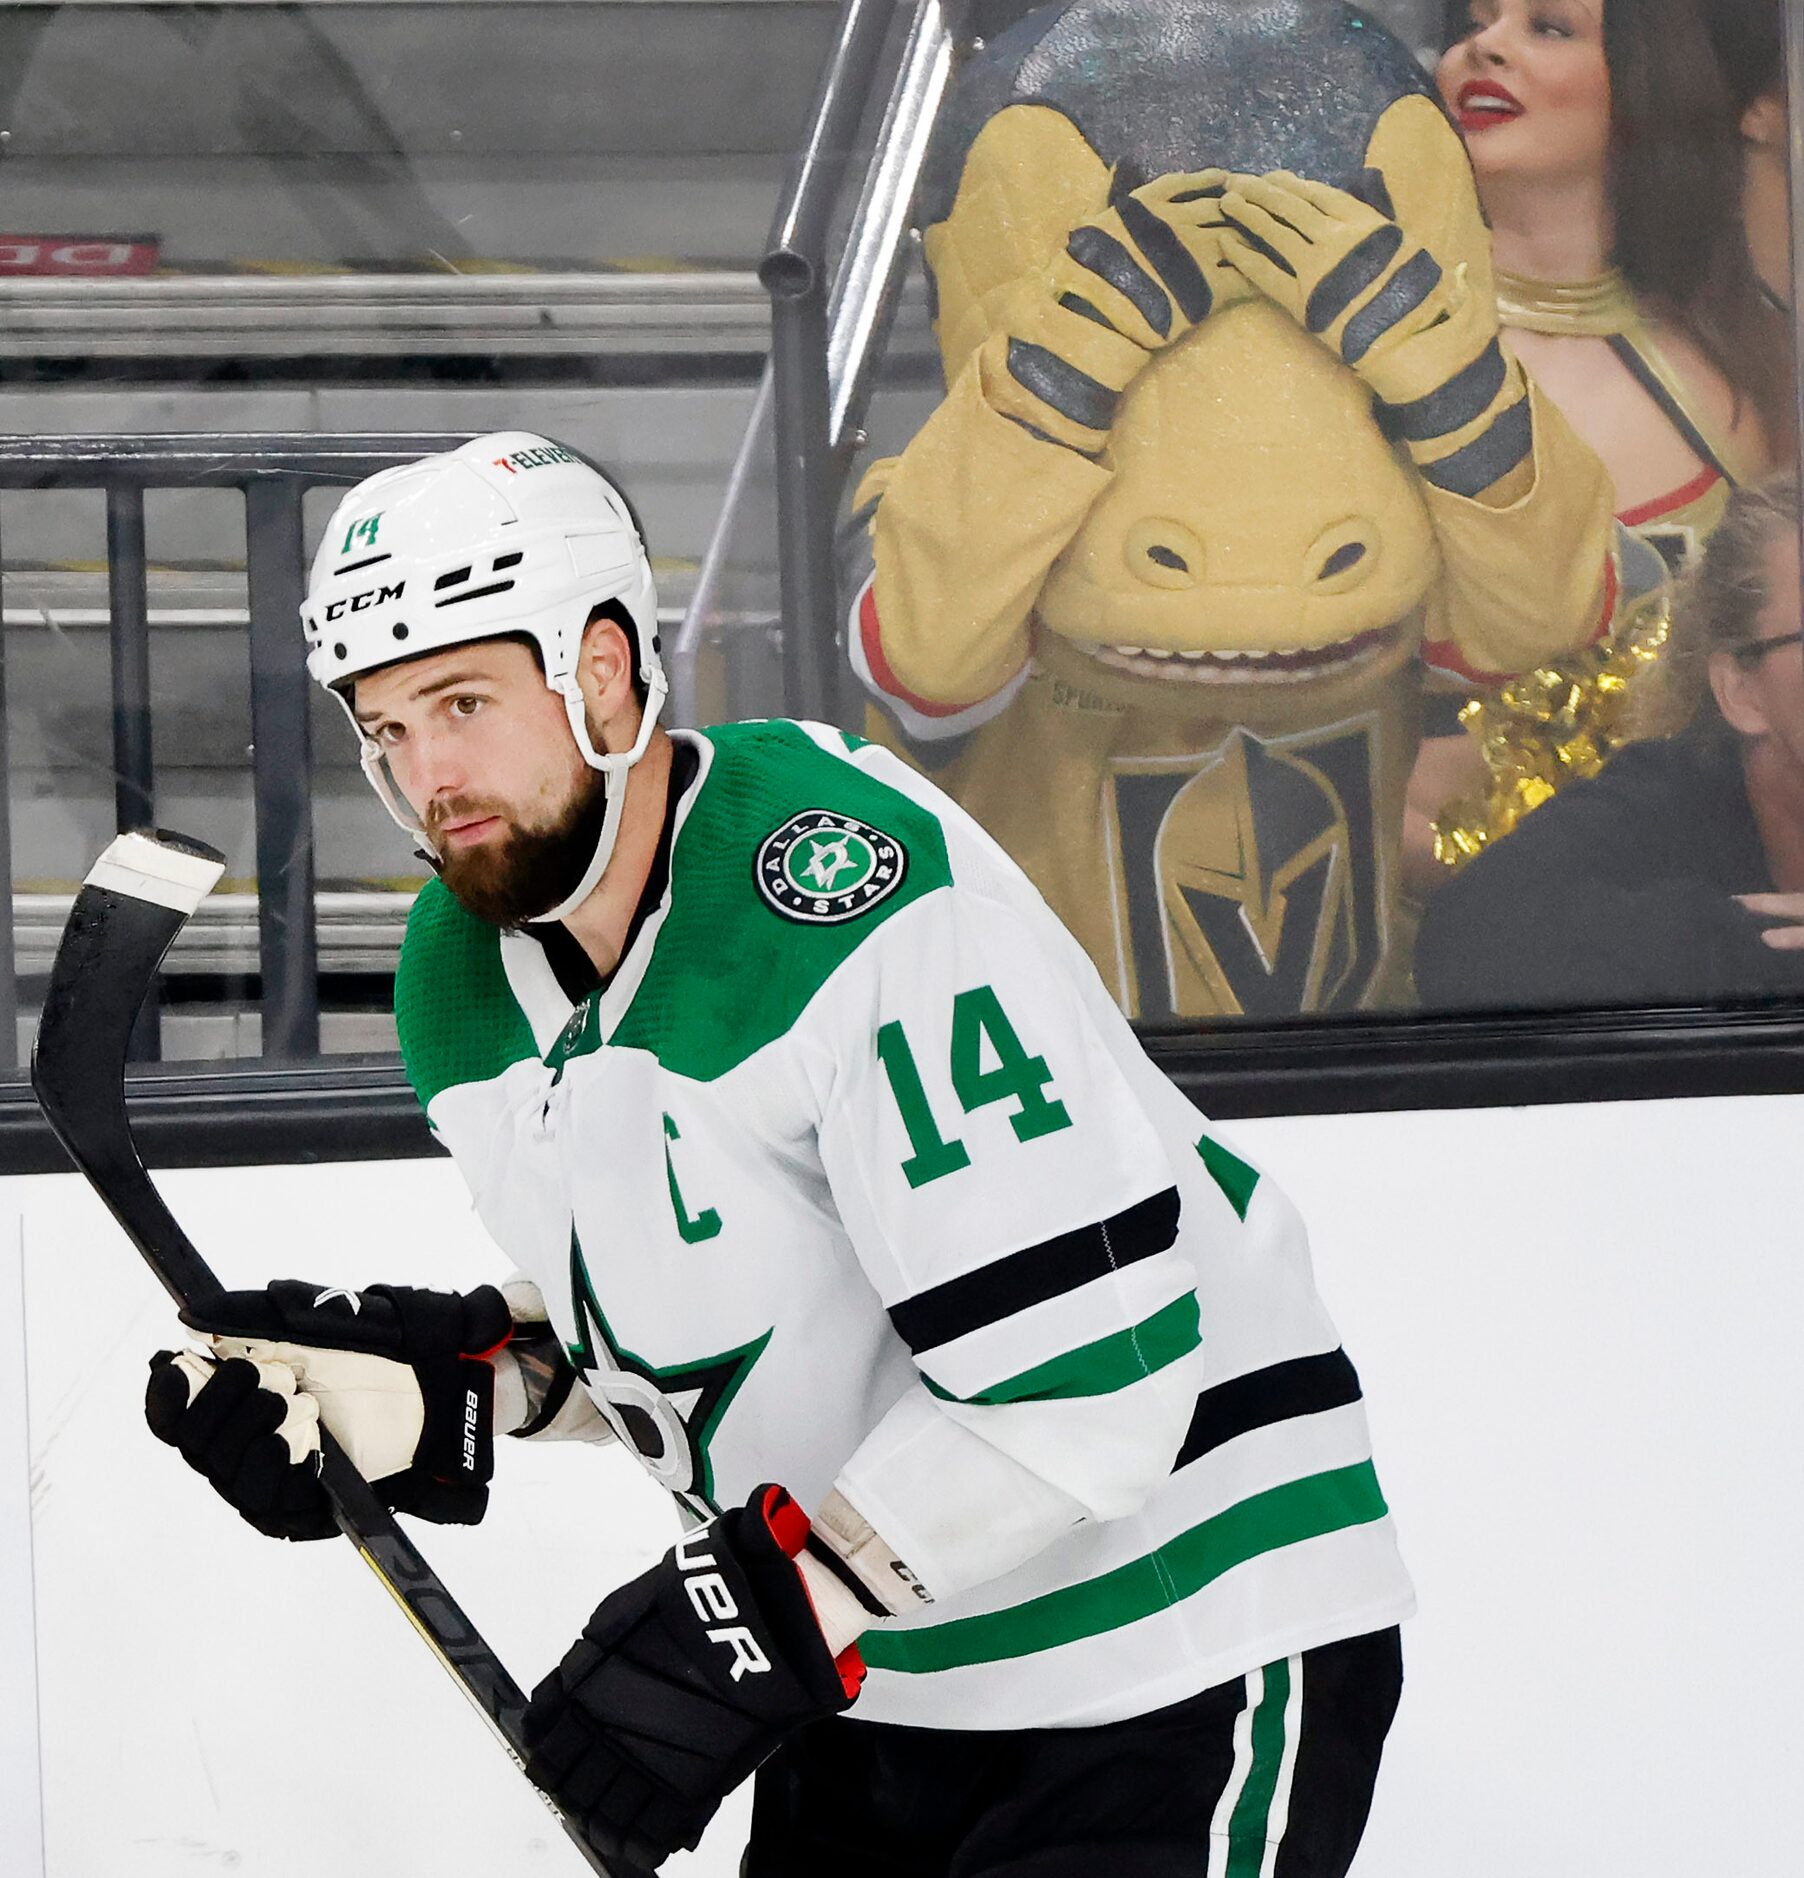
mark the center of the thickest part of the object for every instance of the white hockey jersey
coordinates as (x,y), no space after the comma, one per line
(854,1175)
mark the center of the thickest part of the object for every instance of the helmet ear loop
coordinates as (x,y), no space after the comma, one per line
(657,688)
(613,767)
(576,710)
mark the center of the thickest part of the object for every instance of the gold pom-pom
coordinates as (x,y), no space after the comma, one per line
(1546,728)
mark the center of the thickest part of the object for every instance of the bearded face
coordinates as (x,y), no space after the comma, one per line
(529,863)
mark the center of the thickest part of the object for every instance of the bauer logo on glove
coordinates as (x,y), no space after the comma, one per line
(650,1719)
(402,1378)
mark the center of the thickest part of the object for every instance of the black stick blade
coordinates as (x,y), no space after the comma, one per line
(136,898)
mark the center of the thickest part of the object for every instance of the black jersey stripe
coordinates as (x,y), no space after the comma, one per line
(1305,1385)
(1058,383)
(1036,1273)
(1489,457)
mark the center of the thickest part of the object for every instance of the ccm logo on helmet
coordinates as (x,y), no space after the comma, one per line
(359,602)
(713,1604)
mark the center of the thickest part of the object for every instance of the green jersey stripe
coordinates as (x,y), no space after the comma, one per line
(1250,1826)
(1282,1516)
(1230,1173)
(1111,1363)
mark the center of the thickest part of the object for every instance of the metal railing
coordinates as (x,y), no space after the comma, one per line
(273,473)
(666,319)
(827,323)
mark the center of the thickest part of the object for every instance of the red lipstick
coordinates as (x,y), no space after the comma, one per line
(1483,104)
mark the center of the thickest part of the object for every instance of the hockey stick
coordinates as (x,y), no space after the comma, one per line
(135,900)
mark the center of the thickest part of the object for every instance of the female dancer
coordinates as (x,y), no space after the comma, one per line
(1606,148)
(1608,160)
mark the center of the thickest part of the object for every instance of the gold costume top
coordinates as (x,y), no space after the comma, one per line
(1563,721)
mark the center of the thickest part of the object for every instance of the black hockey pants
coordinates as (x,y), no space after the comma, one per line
(1269,1774)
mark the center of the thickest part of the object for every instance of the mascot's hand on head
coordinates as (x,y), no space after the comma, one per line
(1382,304)
(1258,513)
(1136,279)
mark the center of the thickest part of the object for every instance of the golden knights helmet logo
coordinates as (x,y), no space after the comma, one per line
(1252,879)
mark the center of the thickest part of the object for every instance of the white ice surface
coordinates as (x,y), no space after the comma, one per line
(1579,1333)
(21,1811)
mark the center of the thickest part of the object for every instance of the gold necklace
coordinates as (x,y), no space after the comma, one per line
(1595,308)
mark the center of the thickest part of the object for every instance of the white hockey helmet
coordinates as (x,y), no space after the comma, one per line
(511,533)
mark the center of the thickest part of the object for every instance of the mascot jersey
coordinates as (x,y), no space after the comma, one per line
(853,1175)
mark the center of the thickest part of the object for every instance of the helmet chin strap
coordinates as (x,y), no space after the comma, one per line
(614,770)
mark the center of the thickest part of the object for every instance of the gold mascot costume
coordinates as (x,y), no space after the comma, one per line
(1229,454)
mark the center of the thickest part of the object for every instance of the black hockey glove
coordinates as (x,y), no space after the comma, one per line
(400,1376)
(246,1429)
(683,1681)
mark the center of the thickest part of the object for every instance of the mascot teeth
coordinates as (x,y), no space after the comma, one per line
(1221,665)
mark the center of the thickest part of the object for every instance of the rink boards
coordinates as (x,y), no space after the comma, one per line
(1576,1327)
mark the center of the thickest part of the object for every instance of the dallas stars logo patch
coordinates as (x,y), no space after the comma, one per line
(820,867)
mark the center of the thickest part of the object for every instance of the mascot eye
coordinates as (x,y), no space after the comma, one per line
(1163,553)
(1342,557)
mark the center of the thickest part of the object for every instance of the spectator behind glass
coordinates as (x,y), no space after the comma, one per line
(1676,875)
(1749,36)
(1605,144)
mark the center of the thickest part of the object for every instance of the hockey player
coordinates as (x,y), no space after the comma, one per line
(831,1164)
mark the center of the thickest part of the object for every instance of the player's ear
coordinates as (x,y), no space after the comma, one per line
(606,664)
(604,670)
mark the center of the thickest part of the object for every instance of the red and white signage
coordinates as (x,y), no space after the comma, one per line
(87,257)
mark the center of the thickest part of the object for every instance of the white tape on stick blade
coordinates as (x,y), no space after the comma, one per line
(144,868)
